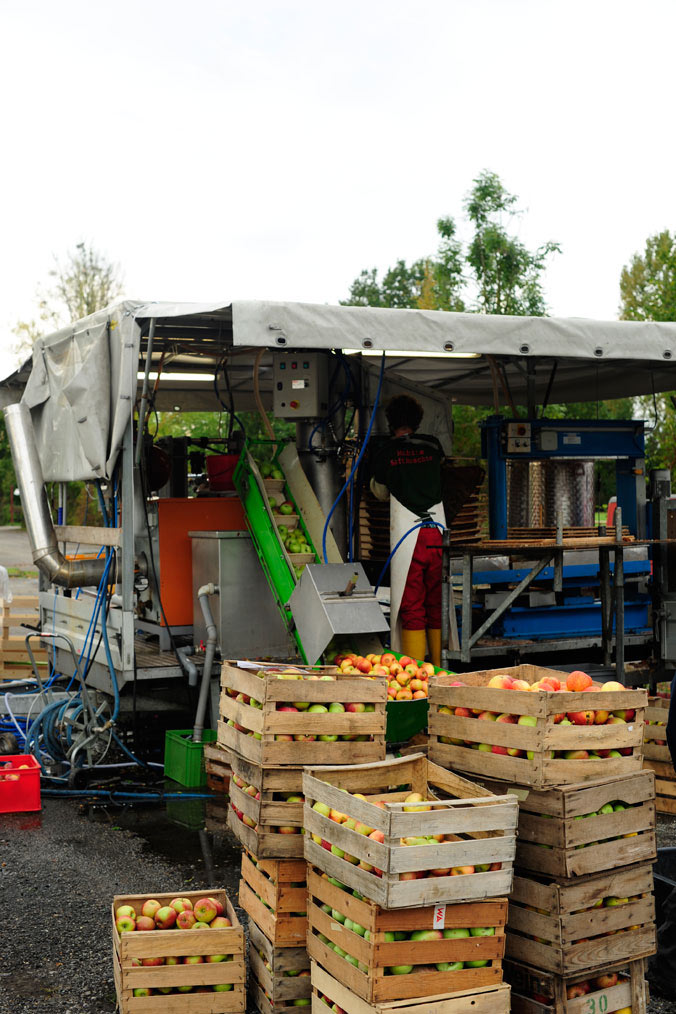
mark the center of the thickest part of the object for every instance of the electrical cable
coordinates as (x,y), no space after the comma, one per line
(359,457)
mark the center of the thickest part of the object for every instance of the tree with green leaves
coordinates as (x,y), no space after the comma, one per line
(81,283)
(648,292)
(648,283)
(500,274)
(507,275)
(495,274)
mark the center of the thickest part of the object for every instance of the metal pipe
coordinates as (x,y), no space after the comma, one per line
(188,665)
(203,594)
(46,553)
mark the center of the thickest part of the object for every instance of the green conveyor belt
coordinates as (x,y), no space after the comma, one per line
(275,561)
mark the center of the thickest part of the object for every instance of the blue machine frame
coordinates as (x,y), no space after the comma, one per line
(582,439)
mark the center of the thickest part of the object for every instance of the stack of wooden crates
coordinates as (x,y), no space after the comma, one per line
(581,916)
(398,921)
(274,720)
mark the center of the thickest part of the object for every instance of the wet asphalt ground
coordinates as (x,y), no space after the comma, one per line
(60,869)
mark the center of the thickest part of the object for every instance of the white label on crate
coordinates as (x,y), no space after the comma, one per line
(439,917)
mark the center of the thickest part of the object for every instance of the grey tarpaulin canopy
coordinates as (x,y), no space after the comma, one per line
(82,381)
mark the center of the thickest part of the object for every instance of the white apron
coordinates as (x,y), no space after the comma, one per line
(401,520)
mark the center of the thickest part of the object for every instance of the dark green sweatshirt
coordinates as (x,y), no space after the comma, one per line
(410,467)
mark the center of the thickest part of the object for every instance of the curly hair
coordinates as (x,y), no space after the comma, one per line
(404,411)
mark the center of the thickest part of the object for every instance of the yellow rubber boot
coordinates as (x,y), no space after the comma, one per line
(434,644)
(413,644)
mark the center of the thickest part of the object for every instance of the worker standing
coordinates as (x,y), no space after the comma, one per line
(408,470)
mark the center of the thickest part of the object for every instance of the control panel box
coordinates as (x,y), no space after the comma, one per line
(518,438)
(300,385)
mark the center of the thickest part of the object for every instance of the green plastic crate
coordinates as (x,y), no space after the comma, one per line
(405,719)
(183,759)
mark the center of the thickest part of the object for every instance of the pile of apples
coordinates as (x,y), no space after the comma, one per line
(270,471)
(407,679)
(305,707)
(405,969)
(251,790)
(413,801)
(181,914)
(576,682)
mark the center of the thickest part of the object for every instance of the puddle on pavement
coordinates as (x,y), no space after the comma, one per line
(175,831)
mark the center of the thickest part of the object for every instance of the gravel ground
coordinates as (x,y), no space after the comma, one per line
(59,872)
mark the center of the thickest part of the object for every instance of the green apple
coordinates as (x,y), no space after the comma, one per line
(455,934)
(400,969)
(450,966)
(482,931)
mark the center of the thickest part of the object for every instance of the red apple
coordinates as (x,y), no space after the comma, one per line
(166,917)
(185,920)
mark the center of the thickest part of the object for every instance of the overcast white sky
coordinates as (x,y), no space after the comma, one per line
(263,149)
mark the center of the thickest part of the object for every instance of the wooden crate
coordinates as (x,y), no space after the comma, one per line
(269,893)
(483,1000)
(254,731)
(178,943)
(14,658)
(654,730)
(479,829)
(369,979)
(267,813)
(554,841)
(217,766)
(449,733)
(557,927)
(272,989)
(539,992)
(657,757)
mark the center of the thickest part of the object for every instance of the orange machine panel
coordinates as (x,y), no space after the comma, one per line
(177,517)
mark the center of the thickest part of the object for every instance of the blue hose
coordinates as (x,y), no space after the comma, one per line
(359,457)
(420,524)
(156,797)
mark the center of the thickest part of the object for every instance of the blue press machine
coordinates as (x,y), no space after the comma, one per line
(577,610)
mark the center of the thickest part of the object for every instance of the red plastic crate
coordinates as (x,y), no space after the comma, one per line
(19,784)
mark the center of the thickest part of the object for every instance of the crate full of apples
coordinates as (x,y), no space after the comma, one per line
(574,830)
(395,955)
(273,892)
(597,920)
(280,976)
(613,988)
(655,730)
(331,992)
(657,756)
(266,809)
(188,948)
(406,833)
(276,715)
(536,726)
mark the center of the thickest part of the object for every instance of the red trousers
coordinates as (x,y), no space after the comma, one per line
(421,602)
